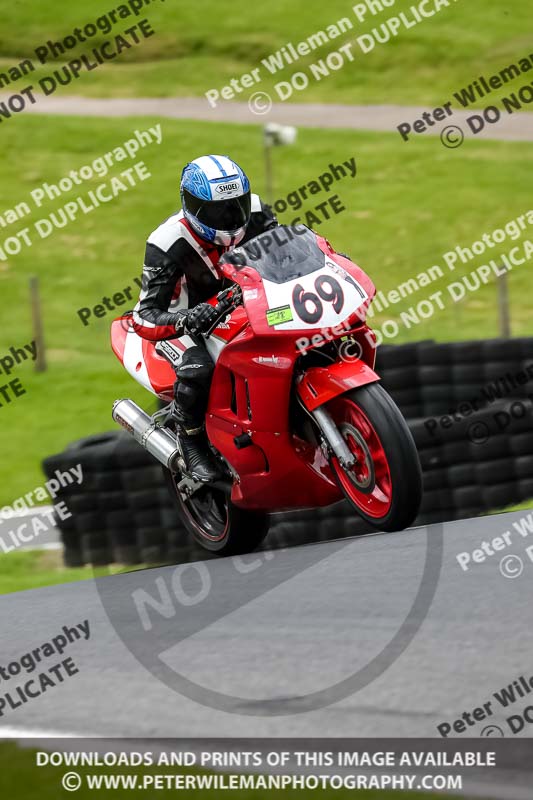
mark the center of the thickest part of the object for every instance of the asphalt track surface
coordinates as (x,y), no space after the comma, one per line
(279,625)
(385,118)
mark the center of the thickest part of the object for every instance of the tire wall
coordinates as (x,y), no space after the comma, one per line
(468,405)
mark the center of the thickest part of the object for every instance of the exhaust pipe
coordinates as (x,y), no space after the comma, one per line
(157,441)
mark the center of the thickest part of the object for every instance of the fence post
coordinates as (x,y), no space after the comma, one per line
(503,306)
(37,323)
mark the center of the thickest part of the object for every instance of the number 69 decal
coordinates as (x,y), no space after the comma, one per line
(309,306)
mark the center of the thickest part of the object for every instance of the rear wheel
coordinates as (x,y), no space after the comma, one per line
(385,484)
(216,523)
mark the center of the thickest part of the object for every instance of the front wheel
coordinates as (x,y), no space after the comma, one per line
(385,484)
(216,523)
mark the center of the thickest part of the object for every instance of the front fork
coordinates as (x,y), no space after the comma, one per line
(333,437)
(318,385)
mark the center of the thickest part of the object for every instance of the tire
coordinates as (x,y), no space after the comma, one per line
(434,355)
(467,352)
(215,523)
(460,475)
(148,518)
(171,520)
(104,481)
(143,499)
(400,378)
(491,473)
(156,554)
(111,501)
(130,452)
(495,497)
(436,500)
(89,522)
(73,558)
(119,520)
(95,439)
(137,480)
(468,497)
(151,537)
(95,549)
(435,479)
(524,467)
(80,503)
(124,546)
(431,458)
(521,444)
(525,490)
(398,355)
(432,517)
(406,397)
(434,375)
(387,490)
(465,373)
(412,411)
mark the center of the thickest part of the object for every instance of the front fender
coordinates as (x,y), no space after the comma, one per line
(320,384)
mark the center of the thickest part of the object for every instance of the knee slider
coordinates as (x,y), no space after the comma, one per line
(196,365)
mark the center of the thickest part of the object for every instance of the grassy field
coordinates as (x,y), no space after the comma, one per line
(33,569)
(407,206)
(198,49)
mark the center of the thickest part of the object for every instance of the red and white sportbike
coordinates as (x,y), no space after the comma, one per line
(296,416)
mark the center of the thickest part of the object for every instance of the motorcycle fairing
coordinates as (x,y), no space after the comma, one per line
(254,379)
(320,384)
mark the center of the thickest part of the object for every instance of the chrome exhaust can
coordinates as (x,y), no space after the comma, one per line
(157,441)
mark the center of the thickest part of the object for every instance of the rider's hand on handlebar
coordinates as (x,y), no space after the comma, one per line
(200,318)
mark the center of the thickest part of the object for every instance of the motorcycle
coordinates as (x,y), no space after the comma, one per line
(297,417)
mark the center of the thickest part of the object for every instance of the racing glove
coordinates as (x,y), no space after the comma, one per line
(197,319)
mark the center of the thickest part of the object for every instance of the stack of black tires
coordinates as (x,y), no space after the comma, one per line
(473,461)
(122,511)
(469,407)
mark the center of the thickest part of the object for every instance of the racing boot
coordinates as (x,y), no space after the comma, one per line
(199,461)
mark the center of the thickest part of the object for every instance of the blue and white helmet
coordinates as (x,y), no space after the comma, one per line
(215,195)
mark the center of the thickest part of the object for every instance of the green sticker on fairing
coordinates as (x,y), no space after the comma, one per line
(276,316)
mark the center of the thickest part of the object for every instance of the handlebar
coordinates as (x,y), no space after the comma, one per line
(228,300)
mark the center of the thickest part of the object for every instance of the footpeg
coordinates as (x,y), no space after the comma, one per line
(189,486)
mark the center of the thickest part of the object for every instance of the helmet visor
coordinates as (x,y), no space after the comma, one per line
(222,215)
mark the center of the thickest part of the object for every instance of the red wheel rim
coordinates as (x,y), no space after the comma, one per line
(368,484)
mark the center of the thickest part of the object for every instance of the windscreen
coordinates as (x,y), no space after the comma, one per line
(280,254)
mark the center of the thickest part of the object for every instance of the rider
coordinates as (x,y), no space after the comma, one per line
(180,273)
